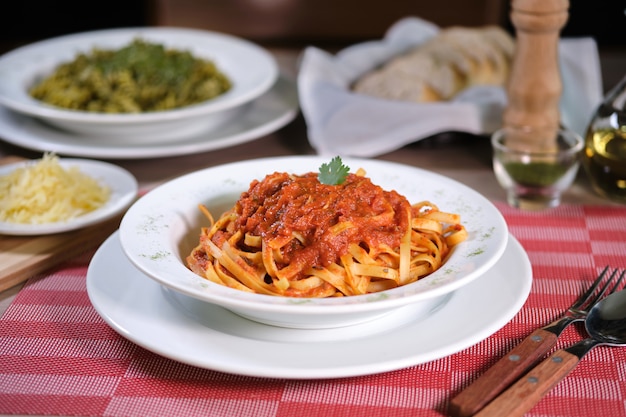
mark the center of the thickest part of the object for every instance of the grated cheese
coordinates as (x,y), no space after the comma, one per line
(46,192)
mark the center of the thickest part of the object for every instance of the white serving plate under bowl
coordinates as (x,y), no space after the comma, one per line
(252,70)
(161,228)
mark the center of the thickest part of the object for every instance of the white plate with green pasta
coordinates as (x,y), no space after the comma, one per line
(270,112)
(121,98)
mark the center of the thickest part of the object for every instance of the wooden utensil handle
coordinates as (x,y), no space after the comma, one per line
(506,371)
(528,391)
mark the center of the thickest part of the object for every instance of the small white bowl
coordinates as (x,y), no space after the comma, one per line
(161,228)
(252,70)
(122,184)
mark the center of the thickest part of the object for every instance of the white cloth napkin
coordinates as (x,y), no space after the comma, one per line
(340,122)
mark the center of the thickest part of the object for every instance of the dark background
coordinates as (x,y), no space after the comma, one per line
(329,24)
(318,21)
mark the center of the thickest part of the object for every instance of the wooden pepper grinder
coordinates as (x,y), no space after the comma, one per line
(534,87)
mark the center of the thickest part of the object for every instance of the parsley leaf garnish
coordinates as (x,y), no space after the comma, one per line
(333,173)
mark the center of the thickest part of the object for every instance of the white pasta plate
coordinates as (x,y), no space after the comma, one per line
(251,69)
(161,228)
(121,183)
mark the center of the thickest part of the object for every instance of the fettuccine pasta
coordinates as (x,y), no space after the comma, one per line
(290,235)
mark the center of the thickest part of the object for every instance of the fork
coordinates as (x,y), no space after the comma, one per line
(528,352)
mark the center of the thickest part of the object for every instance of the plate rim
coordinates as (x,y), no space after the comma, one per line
(124,191)
(251,367)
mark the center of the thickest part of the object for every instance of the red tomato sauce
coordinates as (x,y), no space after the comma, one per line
(282,203)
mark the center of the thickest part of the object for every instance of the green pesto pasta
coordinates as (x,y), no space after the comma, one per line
(140,77)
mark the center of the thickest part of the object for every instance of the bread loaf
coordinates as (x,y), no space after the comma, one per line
(457,58)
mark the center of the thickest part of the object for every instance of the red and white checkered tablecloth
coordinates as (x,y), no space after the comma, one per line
(58,357)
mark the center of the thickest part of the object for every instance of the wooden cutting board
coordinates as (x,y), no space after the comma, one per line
(22,257)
